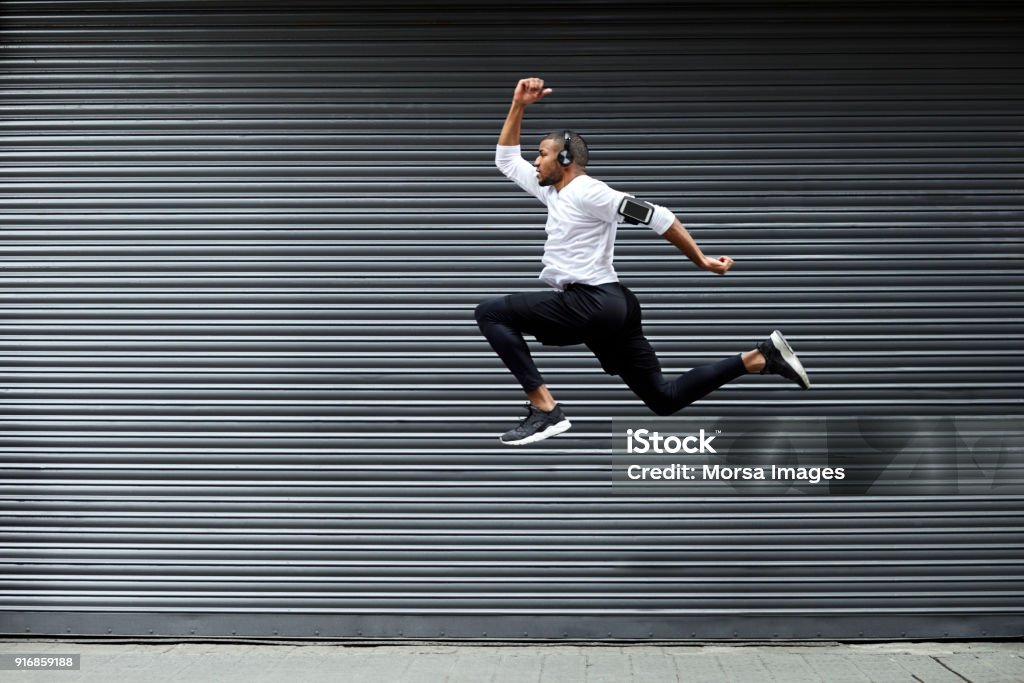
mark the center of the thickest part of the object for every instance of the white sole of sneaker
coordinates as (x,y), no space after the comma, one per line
(553,430)
(786,351)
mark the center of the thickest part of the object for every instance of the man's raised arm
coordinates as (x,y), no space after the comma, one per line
(508,157)
(528,91)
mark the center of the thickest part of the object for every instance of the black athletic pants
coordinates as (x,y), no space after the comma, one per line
(607,319)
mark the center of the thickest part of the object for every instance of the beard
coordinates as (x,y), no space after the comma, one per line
(544,181)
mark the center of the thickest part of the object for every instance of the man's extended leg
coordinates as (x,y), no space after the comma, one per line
(631,356)
(666,397)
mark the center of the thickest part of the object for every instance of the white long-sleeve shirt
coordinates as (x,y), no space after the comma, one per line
(582,221)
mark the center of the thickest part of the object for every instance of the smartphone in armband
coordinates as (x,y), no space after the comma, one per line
(635,211)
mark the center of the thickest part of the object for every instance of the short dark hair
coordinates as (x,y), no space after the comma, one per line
(577,145)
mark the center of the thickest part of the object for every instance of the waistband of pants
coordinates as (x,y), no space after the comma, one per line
(580,285)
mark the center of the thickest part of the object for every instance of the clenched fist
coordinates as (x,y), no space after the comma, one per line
(529,90)
(719,266)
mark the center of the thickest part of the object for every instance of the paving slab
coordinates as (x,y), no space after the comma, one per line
(312,662)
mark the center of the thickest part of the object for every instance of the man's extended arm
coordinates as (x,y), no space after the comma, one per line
(678,236)
(604,203)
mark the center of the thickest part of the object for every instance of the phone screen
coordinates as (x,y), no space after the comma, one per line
(634,210)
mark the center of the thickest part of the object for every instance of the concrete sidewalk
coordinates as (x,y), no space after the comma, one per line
(471,663)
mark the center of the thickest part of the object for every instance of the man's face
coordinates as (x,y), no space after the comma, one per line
(549,171)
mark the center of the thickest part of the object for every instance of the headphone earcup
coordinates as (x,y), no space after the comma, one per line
(565,155)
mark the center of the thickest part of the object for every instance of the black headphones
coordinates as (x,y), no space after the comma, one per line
(565,156)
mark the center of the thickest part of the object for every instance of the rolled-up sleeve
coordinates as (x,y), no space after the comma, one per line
(662,219)
(510,161)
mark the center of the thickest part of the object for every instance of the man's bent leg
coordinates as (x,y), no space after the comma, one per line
(495,319)
(503,327)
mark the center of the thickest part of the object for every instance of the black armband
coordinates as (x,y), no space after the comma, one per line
(635,211)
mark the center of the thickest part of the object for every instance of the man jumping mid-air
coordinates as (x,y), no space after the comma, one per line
(588,305)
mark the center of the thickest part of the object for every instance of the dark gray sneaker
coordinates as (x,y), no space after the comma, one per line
(781,360)
(537,425)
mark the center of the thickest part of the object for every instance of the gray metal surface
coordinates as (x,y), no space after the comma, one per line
(245,394)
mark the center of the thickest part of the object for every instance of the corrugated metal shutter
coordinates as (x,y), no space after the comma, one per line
(245,394)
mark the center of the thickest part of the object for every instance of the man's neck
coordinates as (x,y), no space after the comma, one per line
(568,178)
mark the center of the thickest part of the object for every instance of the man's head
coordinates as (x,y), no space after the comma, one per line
(550,170)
